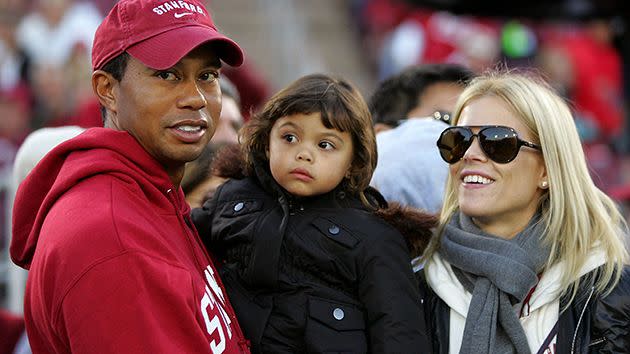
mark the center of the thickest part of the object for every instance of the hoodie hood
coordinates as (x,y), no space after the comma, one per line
(94,152)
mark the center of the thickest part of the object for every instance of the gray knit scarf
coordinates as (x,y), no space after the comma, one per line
(499,273)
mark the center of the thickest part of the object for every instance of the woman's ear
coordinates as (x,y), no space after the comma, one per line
(543,179)
(103,85)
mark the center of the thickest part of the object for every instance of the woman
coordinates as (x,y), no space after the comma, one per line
(529,256)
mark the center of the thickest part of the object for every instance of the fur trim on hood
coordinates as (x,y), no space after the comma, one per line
(414,224)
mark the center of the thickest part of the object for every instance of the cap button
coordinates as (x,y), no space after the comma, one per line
(333,230)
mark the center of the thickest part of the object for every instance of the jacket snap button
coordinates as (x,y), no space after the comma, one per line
(338,314)
(334,229)
(239,206)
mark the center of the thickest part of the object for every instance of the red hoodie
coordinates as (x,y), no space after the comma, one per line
(114,265)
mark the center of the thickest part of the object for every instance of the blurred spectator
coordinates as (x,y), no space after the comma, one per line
(427,36)
(13,338)
(584,66)
(15,110)
(57,37)
(231,118)
(87,114)
(418,91)
(598,89)
(53,28)
(377,18)
(252,87)
(53,96)
(7,154)
(409,168)
(553,62)
(216,163)
(13,60)
(82,108)
(16,7)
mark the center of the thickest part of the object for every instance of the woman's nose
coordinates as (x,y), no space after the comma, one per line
(474,151)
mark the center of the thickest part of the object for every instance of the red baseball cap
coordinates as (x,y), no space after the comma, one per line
(159,33)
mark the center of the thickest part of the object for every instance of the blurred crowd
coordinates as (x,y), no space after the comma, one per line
(579,56)
(45,48)
(45,65)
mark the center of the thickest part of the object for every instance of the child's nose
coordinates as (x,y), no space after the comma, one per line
(305,154)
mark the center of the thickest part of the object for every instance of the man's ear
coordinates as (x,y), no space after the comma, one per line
(103,85)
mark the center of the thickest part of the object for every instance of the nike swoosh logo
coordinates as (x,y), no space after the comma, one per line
(180,15)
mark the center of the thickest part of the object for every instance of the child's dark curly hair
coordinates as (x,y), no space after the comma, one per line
(341,106)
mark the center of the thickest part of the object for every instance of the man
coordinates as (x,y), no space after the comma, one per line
(410,170)
(101,222)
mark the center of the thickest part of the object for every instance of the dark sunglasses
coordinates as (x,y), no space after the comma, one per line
(500,144)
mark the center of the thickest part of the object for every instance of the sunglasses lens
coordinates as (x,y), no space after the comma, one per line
(499,143)
(453,143)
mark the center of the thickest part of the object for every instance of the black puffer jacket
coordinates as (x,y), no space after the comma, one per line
(591,324)
(321,274)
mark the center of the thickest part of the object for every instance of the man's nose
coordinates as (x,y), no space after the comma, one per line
(192,97)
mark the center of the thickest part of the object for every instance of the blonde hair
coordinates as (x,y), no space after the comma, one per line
(576,214)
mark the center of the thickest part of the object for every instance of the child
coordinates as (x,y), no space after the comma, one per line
(307,263)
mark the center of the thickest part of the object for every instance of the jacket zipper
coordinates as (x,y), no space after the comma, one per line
(597,341)
(577,328)
(292,207)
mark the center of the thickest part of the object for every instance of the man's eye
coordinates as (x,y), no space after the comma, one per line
(209,76)
(166,75)
(326,145)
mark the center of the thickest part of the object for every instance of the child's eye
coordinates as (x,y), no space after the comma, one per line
(289,138)
(166,75)
(326,145)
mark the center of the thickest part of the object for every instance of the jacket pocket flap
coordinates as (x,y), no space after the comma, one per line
(240,207)
(335,232)
(336,315)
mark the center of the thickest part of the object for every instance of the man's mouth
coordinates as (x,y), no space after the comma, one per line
(189,132)
(189,128)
